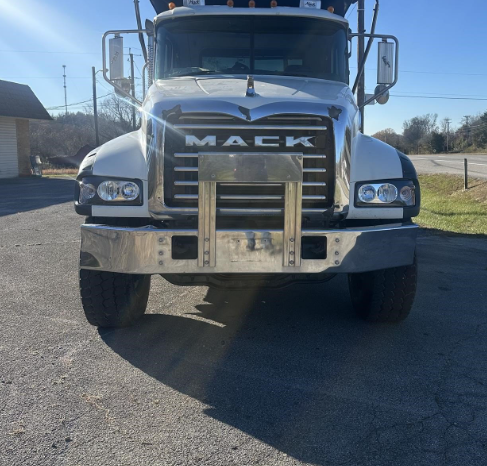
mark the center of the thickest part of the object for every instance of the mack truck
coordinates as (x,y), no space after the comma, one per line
(251,167)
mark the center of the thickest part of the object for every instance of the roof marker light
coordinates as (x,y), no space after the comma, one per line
(310,4)
(171,5)
(331,9)
(230,3)
(251,4)
(273,3)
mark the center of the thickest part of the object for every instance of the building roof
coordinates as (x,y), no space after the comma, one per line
(18,101)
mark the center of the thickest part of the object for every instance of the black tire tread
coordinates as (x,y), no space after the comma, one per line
(113,299)
(389,296)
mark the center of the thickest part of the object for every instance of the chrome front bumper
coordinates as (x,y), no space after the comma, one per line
(148,250)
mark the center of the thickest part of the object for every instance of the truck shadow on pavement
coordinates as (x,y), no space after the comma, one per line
(26,194)
(280,366)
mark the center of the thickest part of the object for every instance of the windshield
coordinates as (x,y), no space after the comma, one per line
(270,45)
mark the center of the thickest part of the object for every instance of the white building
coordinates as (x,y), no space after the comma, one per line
(18,105)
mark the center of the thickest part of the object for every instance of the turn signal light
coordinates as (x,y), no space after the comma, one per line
(171,5)
(251,4)
(273,4)
(230,3)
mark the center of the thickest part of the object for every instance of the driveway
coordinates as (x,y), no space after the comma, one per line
(288,377)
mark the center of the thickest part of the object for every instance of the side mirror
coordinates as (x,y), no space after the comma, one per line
(115,56)
(115,76)
(385,65)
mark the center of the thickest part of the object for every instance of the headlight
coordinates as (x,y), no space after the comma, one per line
(367,193)
(101,191)
(118,191)
(395,193)
(387,193)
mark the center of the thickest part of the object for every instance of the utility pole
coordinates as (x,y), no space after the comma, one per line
(360,56)
(132,85)
(467,122)
(65,92)
(447,135)
(95,107)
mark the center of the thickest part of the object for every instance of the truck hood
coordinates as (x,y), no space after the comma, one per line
(232,89)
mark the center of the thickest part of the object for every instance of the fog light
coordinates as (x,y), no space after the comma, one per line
(407,195)
(86,192)
(366,193)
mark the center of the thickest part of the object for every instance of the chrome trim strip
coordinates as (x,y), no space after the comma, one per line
(262,127)
(194,155)
(250,197)
(185,183)
(185,169)
(207,224)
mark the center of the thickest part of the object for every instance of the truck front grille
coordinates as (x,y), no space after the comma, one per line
(181,162)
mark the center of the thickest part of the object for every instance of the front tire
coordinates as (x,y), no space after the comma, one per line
(113,299)
(384,295)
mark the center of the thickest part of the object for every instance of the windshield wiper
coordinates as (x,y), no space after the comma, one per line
(191,71)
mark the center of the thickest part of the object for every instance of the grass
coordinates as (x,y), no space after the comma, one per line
(446,207)
(60,171)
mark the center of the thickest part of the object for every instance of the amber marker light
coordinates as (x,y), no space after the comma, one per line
(230,3)
(251,4)
(273,4)
(172,5)
(331,9)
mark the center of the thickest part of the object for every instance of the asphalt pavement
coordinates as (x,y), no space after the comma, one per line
(452,164)
(288,377)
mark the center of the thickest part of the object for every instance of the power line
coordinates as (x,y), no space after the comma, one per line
(49,51)
(44,77)
(351,11)
(78,103)
(430,72)
(439,97)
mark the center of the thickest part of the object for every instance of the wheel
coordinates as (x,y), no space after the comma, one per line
(113,299)
(384,295)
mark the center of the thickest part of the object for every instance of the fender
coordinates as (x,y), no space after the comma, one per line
(374,160)
(123,157)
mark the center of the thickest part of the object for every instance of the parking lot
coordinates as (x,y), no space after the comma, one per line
(285,377)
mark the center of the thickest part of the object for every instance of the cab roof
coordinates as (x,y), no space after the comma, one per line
(341,6)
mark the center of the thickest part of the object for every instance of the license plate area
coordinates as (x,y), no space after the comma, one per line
(248,167)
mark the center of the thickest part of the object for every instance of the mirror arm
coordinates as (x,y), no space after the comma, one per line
(396,71)
(367,50)
(139,26)
(104,57)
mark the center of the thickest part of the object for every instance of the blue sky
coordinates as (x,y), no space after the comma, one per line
(442,52)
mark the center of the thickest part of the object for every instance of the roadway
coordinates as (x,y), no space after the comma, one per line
(451,164)
(269,378)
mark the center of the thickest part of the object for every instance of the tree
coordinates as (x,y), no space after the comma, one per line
(417,129)
(479,131)
(389,136)
(66,134)
(436,142)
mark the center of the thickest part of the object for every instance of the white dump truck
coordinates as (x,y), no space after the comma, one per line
(250,168)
